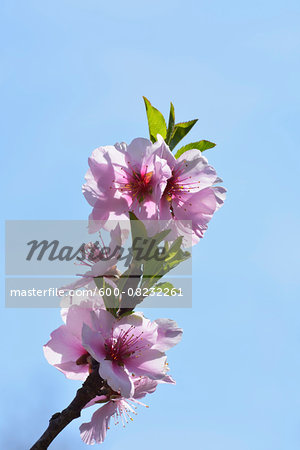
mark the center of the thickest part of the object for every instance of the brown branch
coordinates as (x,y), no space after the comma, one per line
(94,385)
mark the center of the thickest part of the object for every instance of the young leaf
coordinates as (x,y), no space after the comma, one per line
(138,229)
(180,131)
(156,121)
(200,145)
(111,302)
(167,287)
(175,247)
(160,236)
(154,270)
(171,123)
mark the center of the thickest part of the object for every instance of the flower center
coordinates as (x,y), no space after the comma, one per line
(120,348)
(178,186)
(136,184)
(140,185)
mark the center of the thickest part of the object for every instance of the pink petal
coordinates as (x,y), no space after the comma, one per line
(95,400)
(196,170)
(78,315)
(143,327)
(146,210)
(198,207)
(151,363)
(220,193)
(97,219)
(94,432)
(168,334)
(143,386)
(74,371)
(117,377)
(167,379)
(83,281)
(102,266)
(164,209)
(103,321)
(90,189)
(139,149)
(93,342)
(101,165)
(164,152)
(62,348)
(94,302)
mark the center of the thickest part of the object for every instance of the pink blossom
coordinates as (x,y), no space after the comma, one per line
(65,350)
(101,260)
(133,344)
(129,345)
(119,408)
(191,196)
(124,178)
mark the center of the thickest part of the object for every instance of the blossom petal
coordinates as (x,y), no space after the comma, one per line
(169,334)
(167,379)
(151,363)
(97,219)
(139,149)
(94,432)
(78,315)
(141,327)
(195,170)
(103,321)
(93,342)
(143,386)
(101,165)
(96,400)
(90,189)
(74,371)
(62,348)
(117,377)
(163,150)
(83,281)
(220,193)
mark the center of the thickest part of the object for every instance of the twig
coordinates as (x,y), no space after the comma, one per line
(94,385)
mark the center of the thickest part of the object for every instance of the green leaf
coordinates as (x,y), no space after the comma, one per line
(154,270)
(151,264)
(178,258)
(160,236)
(111,302)
(156,121)
(180,131)
(171,123)
(200,145)
(166,287)
(138,229)
(175,247)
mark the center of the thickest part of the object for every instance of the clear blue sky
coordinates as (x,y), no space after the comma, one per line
(72,78)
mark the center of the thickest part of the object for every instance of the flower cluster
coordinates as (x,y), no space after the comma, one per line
(130,351)
(169,198)
(146,179)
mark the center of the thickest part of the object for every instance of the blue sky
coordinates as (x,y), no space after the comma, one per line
(72,78)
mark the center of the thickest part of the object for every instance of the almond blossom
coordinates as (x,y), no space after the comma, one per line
(124,178)
(191,196)
(129,345)
(125,346)
(65,350)
(118,408)
(101,260)
(119,353)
